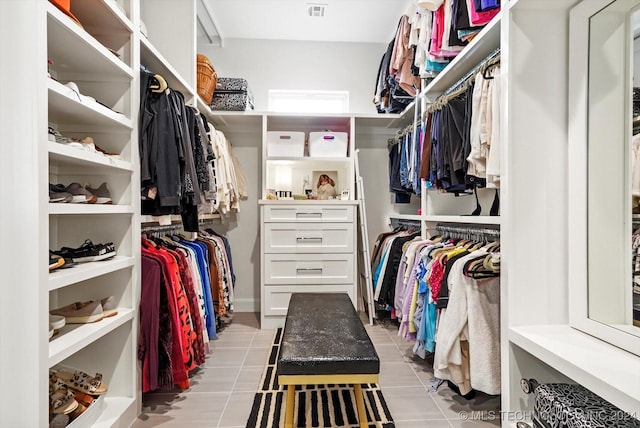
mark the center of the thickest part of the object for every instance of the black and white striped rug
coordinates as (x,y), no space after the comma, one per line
(316,405)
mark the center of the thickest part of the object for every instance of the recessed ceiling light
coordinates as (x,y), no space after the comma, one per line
(316,9)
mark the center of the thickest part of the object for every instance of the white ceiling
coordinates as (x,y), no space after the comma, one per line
(372,21)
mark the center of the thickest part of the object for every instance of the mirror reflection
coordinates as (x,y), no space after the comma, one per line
(614,166)
(635,171)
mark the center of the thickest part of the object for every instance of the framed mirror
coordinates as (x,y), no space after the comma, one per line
(604,187)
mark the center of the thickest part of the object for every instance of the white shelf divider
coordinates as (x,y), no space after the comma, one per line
(74,337)
(62,154)
(83,271)
(66,105)
(61,209)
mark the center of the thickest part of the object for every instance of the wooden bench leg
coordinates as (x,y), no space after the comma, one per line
(289,406)
(362,415)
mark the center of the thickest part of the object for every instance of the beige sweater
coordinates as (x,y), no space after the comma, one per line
(468,336)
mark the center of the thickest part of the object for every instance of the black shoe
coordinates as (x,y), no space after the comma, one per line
(88,252)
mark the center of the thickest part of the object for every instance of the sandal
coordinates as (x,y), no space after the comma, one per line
(81,381)
(61,399)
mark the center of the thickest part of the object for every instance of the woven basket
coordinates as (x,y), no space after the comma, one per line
(207,78)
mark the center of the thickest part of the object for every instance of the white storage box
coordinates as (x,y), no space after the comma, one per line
(285,144)
(328,144)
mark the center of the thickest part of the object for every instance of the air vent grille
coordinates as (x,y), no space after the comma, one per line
(316,10)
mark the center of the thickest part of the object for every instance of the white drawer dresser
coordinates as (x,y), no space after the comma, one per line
(306,246)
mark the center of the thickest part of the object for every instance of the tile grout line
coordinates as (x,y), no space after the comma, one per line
(426,390)
(224,409)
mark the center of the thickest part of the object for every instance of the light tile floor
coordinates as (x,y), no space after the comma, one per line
(222,391)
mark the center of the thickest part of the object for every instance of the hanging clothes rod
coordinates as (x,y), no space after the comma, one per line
(162,228)
(469,231)
(473,71)
(395,222)
(463,83)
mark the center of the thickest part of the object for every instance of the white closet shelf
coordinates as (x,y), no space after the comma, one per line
(65,106)
(305,122)
(416,217)
(83,271)
(392,120)
(306,202)
(611,372)
(149,219)
(74,337)
(62,209)
(72,47)
(487,41)
(153,60)
(112,409)
(234,121)
(480,219)
(103,17)
(308,159)
(63,155)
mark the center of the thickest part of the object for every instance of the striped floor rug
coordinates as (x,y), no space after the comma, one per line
(316,405)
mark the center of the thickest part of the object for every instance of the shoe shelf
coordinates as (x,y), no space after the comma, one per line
(104,17)
(83,271)
(64,156)
(73,48)
(74,337)
(112,410)
(69,208)
(151,58)
(66,106)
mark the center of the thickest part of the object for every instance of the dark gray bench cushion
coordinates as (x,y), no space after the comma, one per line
(323,334)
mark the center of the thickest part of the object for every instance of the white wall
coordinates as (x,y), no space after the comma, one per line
(298,65)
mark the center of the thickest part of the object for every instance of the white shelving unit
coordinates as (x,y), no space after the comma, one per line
(101,57)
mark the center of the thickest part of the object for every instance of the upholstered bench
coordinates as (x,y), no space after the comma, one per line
(325,342)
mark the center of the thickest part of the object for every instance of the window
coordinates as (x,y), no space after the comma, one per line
(288,101)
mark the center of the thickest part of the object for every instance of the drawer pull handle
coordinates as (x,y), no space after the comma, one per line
(308,270)
(309,238)
(308,214)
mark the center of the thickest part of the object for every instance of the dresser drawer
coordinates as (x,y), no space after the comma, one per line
(300,269)
(276,298)
(308,238)
(312,213)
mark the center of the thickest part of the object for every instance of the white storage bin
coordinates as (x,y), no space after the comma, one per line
(328,144)
(285,144)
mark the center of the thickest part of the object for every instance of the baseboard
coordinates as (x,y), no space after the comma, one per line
(246,305)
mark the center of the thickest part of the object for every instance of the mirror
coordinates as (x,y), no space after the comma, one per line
(603,189)
(612,173)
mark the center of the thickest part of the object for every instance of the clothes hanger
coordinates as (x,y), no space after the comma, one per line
(161,84)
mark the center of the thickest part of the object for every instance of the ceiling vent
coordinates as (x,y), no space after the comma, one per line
(316,9)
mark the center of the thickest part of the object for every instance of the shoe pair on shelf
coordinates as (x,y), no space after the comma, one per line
(87,252)
(56,322)
(87,144)
(72,391)
(87,312)
(77,194)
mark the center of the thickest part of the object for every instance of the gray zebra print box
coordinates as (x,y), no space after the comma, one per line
(561,405)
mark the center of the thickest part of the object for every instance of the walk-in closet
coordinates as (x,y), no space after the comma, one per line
(466,172)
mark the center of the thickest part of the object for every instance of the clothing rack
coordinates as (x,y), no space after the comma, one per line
(157,230)
(405,222)
(463,83)
(470,231)
(486,61)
